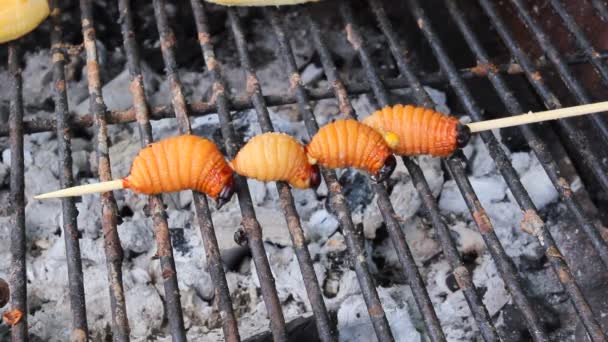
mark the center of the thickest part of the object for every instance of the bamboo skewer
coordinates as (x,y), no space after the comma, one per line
(530,117)
(84,189)
(474,127)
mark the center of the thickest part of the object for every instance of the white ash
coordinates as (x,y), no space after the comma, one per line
(144,291)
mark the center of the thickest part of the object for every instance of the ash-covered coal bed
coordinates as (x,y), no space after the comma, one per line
(49,307)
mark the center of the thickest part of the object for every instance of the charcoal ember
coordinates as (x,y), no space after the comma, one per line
(596,297)
(515,328)
(178,240)
(357,189)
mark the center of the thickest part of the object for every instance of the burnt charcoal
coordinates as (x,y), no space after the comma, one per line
(357,189)
(596,297)
(513,139)
(178,240)
(514,328)
(301,329)
(450,282)
(532,262)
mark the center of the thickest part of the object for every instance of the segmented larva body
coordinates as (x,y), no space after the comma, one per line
(180,163)
(420,130)
(348,143)
(275,157)
(19,17)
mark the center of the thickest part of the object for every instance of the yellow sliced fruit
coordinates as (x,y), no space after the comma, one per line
(20,17)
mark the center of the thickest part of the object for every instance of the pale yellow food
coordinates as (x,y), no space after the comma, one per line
(259,2)
(274,157)
(20,17)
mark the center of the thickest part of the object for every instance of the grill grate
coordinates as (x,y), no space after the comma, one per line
(222,103)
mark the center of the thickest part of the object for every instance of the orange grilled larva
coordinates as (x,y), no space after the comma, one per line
(420,130)
(349,143)
(276,157)
(173,164)
(179,163)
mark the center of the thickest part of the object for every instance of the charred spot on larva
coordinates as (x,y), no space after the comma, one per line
(386,170)
(226,194)
(463,135)
(315,177)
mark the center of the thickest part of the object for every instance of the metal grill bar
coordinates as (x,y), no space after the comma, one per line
(230,325)
(564,72)
(18,277)
(581,40)
(66,179)
(337,200)
(112,247)
(455,167)
(463,277)
(250,224)
(164,249)
(461,273)
(196,109)
(562,186)
(324,326)
(397,237)
(540,231)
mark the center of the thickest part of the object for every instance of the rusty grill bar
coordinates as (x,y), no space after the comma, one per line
(18,277)
(70,226)
(113,249)
(198,108)
(222,103)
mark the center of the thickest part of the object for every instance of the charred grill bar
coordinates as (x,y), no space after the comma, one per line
(156,206)
(37,125)
(18,277)
(222,103)
(113,249)
(64,136)
(462,274)
(541,232)
(254,90)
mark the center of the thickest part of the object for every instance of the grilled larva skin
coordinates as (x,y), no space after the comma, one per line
(19,17)
(348,143)
(274,157)
(179,163)
(420,130)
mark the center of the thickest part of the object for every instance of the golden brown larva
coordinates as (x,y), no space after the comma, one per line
(420,130)
(184,162)
(349,143)
(276,157)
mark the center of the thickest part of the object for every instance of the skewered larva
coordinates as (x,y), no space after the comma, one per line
(20,17)
(420,130)
(259,2)
(173,164)
(276,157)
(350,143)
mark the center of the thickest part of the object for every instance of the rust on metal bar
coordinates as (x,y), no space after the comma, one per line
(240,102)
(112,247)
(250,223)
(324,326)
(66,179)
(336,198)
(17,271)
